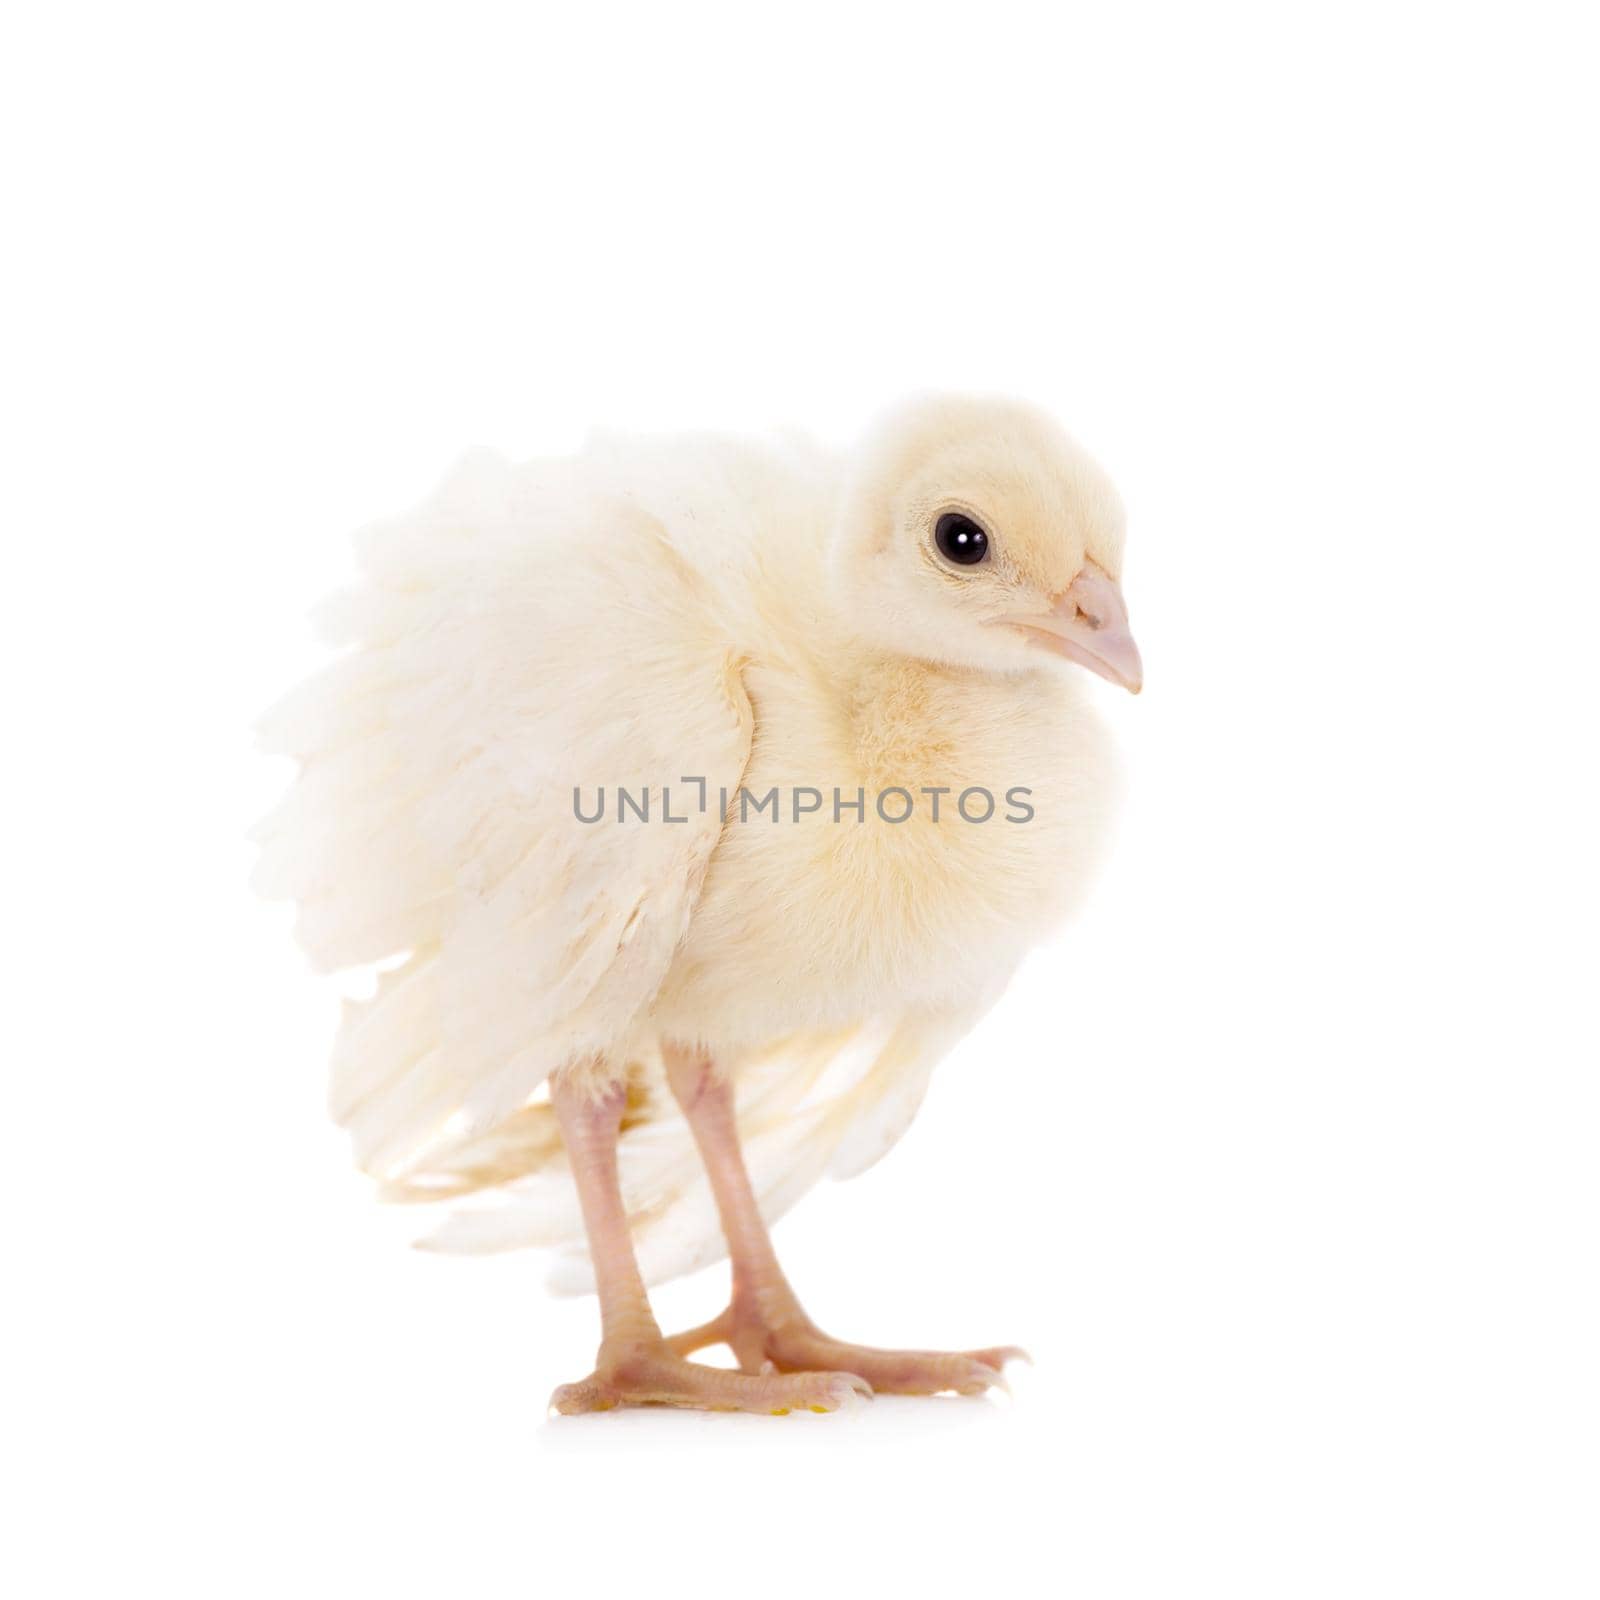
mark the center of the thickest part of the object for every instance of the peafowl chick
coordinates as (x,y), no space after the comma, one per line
(692,796)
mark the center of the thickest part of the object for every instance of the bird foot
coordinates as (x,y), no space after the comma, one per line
(656,1375)
(788,1341)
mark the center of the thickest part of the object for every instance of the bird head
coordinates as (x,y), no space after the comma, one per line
(976,533)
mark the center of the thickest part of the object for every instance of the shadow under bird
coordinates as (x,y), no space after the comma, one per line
(695,794)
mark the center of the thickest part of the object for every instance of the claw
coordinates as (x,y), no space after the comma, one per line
(971,1377)
(844,1389)
(983,1378)
(1001,1354)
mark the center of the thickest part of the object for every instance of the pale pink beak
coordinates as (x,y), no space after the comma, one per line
(1089,624)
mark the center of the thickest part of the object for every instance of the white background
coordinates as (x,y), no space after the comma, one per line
(1283,1159)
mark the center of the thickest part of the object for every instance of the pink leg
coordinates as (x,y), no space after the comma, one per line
(636,1366)
(765,1325)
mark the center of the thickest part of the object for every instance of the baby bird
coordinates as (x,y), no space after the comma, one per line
(695,795)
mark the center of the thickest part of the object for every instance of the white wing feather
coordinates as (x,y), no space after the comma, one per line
(527,632)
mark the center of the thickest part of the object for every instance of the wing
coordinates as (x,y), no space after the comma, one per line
(526,635)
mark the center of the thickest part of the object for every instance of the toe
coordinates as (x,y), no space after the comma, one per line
(572,1399)
(816,1391)
(905,1371)
(657,1376)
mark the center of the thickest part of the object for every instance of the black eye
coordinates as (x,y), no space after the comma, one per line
(960,539)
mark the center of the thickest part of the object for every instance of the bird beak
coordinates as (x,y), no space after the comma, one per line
(1089,624)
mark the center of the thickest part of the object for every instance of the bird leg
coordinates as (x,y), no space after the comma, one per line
(636,1366)
(765,1325)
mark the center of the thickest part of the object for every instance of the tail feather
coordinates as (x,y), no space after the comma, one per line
(815,1104)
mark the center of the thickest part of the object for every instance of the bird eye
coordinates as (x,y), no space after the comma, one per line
(960,539)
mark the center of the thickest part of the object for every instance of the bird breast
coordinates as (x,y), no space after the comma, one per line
(929,826)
